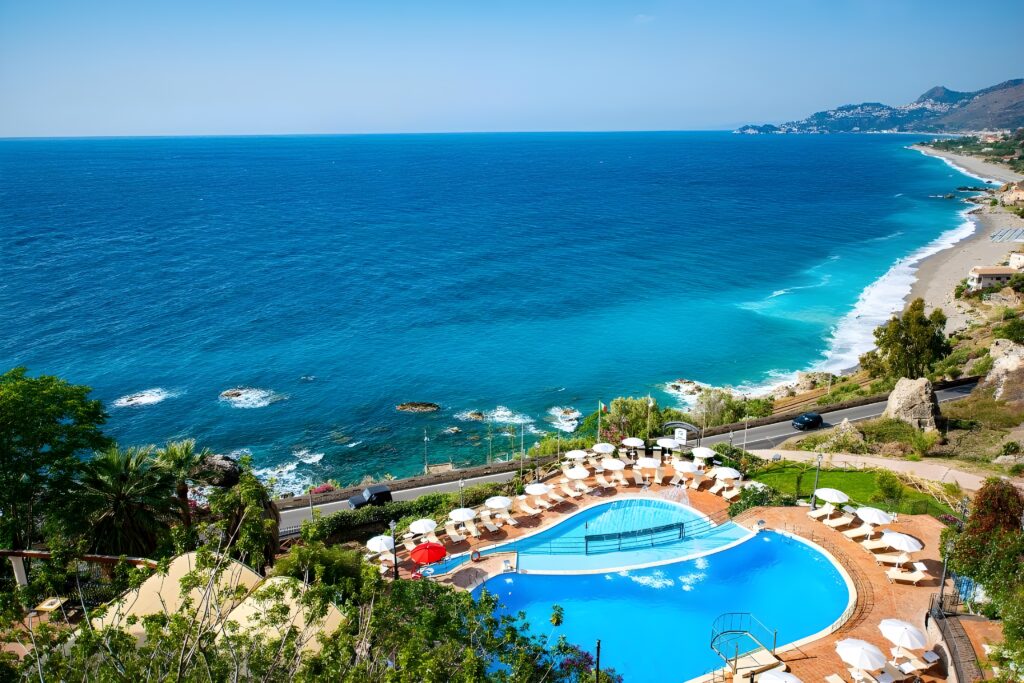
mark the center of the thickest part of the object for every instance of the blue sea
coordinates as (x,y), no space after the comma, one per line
(328,279)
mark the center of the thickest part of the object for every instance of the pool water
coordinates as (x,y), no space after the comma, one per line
(655,623)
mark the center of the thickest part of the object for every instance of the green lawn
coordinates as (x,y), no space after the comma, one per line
(858,484)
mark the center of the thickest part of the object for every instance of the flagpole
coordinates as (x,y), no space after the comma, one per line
(426,466)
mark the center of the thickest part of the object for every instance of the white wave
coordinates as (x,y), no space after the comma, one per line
(354,444)
(307,456)
(825,279)
(143,398)
(501,416)
(961,169)
(286,478)
(684,391)
(854,334)
(565,419)
(250,397)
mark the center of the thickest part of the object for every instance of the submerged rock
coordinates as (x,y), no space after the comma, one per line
(418,407)
(475,415)
(452,430)
(913,401)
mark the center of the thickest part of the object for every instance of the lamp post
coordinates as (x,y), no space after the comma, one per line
(814,494)
(462,485)
(394,548)
(426,464)
(942,584)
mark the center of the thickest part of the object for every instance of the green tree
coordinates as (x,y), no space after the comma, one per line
(46,424)
(908,345)
(186,466)
(890,489)
(1013,330)
(639,417)
(247,519)
(129,502)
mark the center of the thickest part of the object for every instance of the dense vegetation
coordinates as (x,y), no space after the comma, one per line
(909,345)
(1009,150)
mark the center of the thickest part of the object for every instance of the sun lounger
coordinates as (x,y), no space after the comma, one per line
(732,493)
(718,487)
(453,534)
(408,544)
(583,488)
(892,558)
(624,455)
(638,477)
(488,524)
(894,673)
(507,516)
(862,676)
(541,503)
(922,663)
(837,522)
(825,510)
(862,531)
(676,480)
(432,537)
(569,492)
(919,574)
(620,477)
(471,528)
(834,678)
(555,498)
(659,477)
(873,545)
(486,516)
(525,508)
(604,483)
(698,479)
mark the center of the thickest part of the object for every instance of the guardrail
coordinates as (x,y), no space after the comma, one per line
(958,644)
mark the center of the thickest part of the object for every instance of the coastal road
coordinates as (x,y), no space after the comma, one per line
(764,437)
(770,436)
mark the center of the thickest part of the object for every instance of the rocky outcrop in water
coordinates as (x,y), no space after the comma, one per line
(221,470)
(913,401)
(418,407)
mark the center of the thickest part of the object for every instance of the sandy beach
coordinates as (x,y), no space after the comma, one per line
(938,275)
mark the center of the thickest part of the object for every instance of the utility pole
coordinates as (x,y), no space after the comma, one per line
(597,663)
(814,494)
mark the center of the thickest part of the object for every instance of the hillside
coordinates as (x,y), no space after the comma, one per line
(939,110)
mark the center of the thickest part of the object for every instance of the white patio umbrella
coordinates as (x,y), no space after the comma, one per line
(380,544)
(537,489)
(577,472)
(776,676)
(874,516)
(498,502)
(423,526)
(576,455)
(603,448)
(903,634)
(461,514)
(668,444)
(725,473)
(684,467)
(834,496)
(613,464)
(901,542)
(633,442)
(703,453)
(648,463)
(860,654)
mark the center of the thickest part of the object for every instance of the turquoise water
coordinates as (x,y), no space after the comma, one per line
(335,277)
(655,624)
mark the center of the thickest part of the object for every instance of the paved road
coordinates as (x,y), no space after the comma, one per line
(768,436)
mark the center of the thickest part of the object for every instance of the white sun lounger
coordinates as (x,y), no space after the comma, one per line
(569,492)
(862,531)
(620,477)
(718,487)
(698,479)
(471,528)
(919,574)
(541,503)
(525,508)
(489,522)
(825,510)
(604,483)
(676,480)
(892,558)
(731,493)
(432,537)
(409,544)
(507,516)
(453,533)
(555,498)
(873,545)
(837,522)
(638,477)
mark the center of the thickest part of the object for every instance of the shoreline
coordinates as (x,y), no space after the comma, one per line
(937,275)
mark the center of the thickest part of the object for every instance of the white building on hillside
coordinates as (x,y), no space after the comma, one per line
(989,276)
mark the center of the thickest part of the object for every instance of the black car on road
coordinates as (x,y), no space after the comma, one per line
(378,494)
(807,421)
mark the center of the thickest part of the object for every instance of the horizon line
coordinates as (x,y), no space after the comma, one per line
(376,133)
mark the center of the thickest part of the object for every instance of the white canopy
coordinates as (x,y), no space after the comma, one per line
(776,676)
(860,654)
(684,467)
(577,472)
(633,442)
(874,516)
(461,514)
(380,544)
(613,464)
(537,489)
(576,455)
(498,502)
(423,526)
(834,496)
(725,473)
(670,444)
(903,634)
(703,453)
(604,448)
(648,463)
(897,541)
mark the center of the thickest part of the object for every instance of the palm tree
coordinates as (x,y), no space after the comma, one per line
(129,498)
(186,466)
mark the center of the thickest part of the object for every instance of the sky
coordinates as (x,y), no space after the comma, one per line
(105,67)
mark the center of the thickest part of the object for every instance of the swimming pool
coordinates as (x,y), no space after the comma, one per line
(655,623)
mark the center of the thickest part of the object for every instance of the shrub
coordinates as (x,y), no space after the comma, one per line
(734,456)
(1012,330)
(760,496)
(1011,448)
(982,366)
(887,430)
(982,408)
(889,489)
(1017,469)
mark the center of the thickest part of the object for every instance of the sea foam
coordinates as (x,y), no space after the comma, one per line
(143,398)
(250,397)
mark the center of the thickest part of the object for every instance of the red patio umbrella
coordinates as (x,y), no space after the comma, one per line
(427,553)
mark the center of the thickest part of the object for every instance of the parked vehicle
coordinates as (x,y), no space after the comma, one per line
(807,421)
(378,494)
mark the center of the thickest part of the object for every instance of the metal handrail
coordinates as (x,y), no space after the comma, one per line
(967,667)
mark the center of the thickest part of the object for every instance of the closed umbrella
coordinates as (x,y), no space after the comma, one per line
(668,444)
(498,502)
(703,453)
(903,634)
(603,448)
(576,455)
(423,526)
(648,463)
(577,472)
(874,516)
(834,496)
(633,442)
(427,553)
(901,542)
(380,544)
(860,654)
(725,473)
(537,489)
(461,515)
(776,676)
(612,464)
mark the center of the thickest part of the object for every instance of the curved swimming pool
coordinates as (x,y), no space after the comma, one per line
(655,623)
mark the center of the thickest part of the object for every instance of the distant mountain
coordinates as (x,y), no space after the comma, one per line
(939,110)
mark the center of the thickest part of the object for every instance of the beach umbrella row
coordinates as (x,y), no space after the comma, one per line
(834,496)
(633,442)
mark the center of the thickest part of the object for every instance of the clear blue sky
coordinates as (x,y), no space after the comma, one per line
(101,67)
